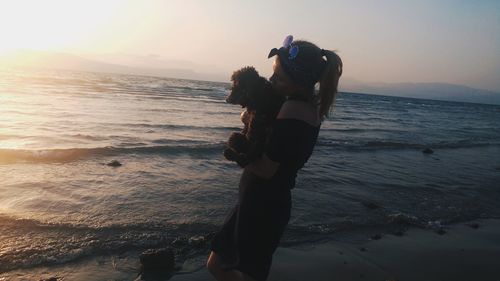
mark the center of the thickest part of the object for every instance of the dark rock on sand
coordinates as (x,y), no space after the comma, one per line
(158,259)
(155,275)
(398,232)
(474,225)
(114,163)
(179,242)
(428,151)
(362,249)
(441,231)
(402,218)
(197,241)
(370,205)
(376,236)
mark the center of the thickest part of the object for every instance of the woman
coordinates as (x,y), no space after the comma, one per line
(243,248)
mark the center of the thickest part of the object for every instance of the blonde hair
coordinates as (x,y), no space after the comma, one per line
(310,58)
(328,83)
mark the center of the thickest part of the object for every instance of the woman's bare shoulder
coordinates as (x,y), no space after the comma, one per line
(304,111)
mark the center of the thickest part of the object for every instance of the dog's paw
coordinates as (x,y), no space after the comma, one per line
(230,154)
(237,136)
(237,141)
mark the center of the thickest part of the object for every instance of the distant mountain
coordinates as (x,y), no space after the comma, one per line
(72,62)
(434,91)
(139,66)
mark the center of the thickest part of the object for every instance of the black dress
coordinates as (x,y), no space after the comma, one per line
(252,231)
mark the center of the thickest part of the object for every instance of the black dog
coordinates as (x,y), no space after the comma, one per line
(262,104)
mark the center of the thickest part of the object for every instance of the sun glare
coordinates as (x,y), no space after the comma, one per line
(51,24)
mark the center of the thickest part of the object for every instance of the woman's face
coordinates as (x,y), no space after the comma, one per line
(281,81)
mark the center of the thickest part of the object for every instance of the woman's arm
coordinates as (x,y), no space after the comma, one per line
(263,167)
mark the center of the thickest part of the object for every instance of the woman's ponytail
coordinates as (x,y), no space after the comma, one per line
(328,83)
(309,67)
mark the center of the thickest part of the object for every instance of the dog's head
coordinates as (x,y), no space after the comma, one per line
(244,91)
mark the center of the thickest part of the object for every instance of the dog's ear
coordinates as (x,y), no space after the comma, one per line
(247,73)
(250,73)
(236,75)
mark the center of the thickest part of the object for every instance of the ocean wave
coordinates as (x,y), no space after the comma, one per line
(201,149)
(179,126)
(30,243)
(193,88)
(380,144)
(88,137)
(8,156)
(6,137)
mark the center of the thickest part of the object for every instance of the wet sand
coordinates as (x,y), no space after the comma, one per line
(462,253)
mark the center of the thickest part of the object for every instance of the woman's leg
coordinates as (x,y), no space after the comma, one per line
(214,268)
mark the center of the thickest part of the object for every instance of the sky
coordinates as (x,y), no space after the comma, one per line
(379,41)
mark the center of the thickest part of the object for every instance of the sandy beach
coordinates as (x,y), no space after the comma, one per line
(463,253)
(371,128)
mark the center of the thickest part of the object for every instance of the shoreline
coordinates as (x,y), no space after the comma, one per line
(462,253)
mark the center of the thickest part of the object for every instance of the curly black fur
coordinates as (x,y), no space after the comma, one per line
(262,104)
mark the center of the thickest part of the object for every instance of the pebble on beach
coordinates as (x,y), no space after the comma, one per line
(158,259)
(441,231)
(114,163)
(197,241)
(474,225)
(370,205)
(399,232)
(51,279)
(428,151)
(402,219)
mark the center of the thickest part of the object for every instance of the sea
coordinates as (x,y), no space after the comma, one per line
(61,203)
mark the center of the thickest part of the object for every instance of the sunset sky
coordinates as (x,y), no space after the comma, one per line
(379,41)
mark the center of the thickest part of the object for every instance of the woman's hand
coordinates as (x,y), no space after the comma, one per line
(263,167)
